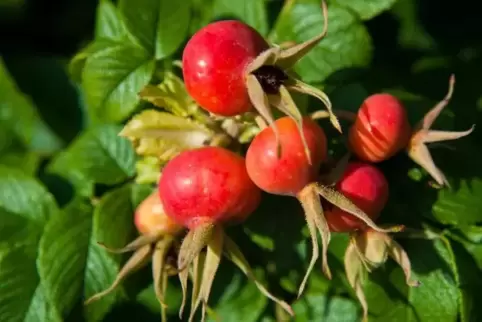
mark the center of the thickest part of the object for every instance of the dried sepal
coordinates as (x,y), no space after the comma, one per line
(292,54)
(267,57)
(260,101)
(137,260)
(193,243)
(340,114)
(159,272)
(210,267)
(163,134)
(317,223)
(137,243)
(341,201)
(355,273)
(422,134)
(304,88)
(398,254)
(285,103)
(183,277)
(368,250)
(234,254)
(196,277)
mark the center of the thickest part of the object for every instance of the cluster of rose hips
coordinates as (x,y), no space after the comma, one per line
(229,70)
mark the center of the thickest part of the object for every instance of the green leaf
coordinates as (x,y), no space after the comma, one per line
(25,207)
(163,134)
(366,9)
(159,26)
(63,253)
(20,294)
(99,155)
(20,122)
(26,161)
(437,299)
(108,21)
(113,95)
(347,44)
(112,225)
(469,282)
(40,309)
(460,206)
(314,307)
(241,301)
(170,95)
(251,12)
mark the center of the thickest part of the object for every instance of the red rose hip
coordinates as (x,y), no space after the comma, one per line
(381,128)
(366,187)
(292,174)
(229,69)
(214,62)
(204,189)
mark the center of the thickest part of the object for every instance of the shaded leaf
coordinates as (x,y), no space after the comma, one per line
(63,253)
(366,9)
(25,207)
(99,155)
(20,122)
(112,225)
(159,26)
(460,206)
(347,44)
(436,299)
(113,95)
(21,297)
(318,306)
(251,12)
(108,23)
(240,301)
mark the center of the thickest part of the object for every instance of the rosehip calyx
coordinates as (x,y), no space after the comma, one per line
(229,68)
(291,174)
(156,242)
(368,250)
(204,189)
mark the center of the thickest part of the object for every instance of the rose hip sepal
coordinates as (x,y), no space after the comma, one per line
(229,68)
(367,250)
(204,189)
(381,129)
(157,242)
(292,174)
(422,134)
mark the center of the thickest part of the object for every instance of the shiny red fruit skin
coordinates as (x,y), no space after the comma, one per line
(381,128)
(366,187)
(150,217)
(208,184)
(214,61)
(291,172)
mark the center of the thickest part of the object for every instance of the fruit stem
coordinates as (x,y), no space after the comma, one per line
(342,114)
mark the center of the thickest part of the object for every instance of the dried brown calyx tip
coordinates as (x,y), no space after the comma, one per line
(309,198)
(202,266)
(269,82)
(422,134)
(146,247)
(368,250)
